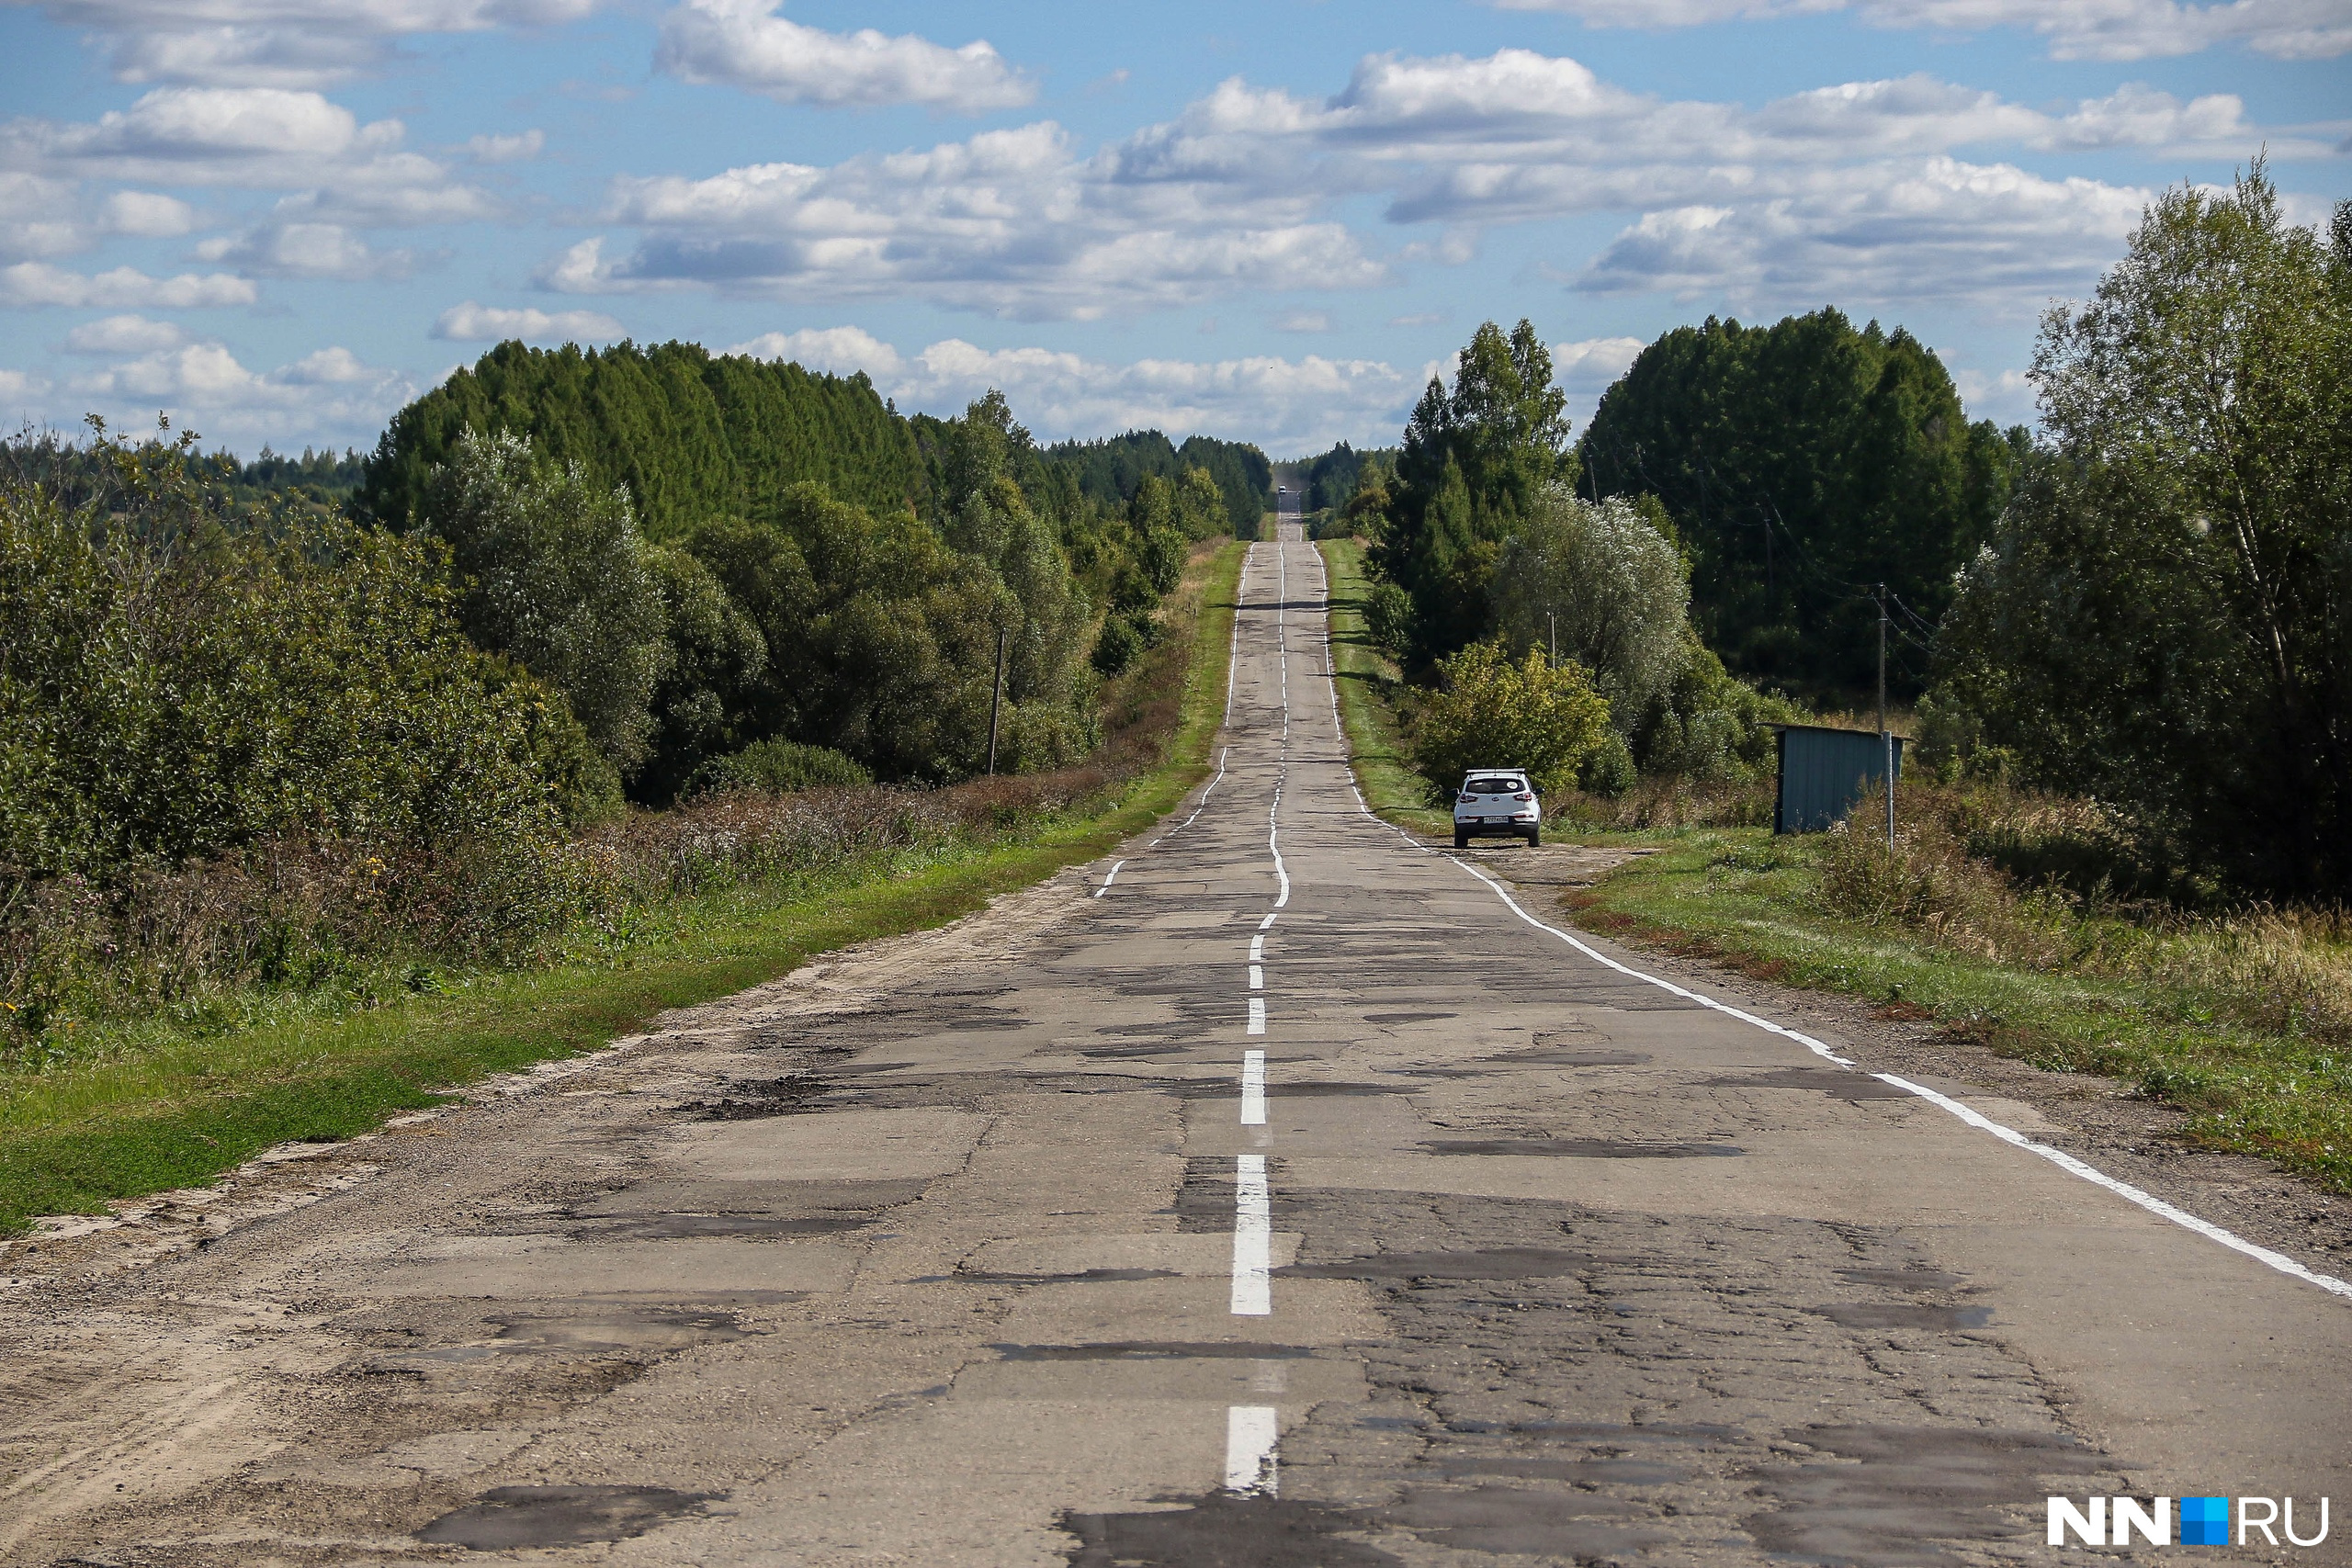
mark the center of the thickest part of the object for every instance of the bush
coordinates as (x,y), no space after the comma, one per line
(1118,645)
(1492,713)
(1608,772)
(780,767)
(1388,618)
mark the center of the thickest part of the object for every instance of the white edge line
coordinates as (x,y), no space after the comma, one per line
(1974,1118)
(1977,1118)
(1109,878)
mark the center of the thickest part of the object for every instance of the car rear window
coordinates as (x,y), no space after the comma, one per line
(1495,784)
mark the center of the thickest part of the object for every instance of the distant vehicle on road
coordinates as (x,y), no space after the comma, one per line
(1495,802)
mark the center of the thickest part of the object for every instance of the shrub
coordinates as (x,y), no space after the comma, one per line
(780,767)
(1491,713)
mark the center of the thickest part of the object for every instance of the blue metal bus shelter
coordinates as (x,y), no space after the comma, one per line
(1824,771)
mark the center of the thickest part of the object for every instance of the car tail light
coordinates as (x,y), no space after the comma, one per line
(1465,798)
(1522,797)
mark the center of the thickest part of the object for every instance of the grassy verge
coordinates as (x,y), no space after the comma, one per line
(173,1109)
(1368,683)
(2158,1008)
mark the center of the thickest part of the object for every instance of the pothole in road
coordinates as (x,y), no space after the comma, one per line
(1406,1017)
(1574,1056)
(1903,1279)
(746,1099)
(1579,1149)
(620,1331)
(513,1517)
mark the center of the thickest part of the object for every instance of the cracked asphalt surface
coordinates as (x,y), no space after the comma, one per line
(925,1254)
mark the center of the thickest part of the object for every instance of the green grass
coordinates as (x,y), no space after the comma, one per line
(1742,897)
(173,1109)
(1368,683)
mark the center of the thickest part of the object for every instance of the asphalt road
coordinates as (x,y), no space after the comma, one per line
(1276,1191)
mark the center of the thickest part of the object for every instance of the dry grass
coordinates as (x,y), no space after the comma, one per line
(2281,971)
(1669,804)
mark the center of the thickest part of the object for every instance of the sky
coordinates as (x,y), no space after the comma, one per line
(279,220)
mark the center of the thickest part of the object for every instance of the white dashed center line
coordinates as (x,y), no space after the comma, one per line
(1257,1015)
(1253,1089)
(1253,1230)
(1249,1434)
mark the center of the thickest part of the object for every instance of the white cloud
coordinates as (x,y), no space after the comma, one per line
(1281,404)
(328,392)
(18,389)
(45,217)
(37,282)
(469,322)
(521,147)
(256,137)
(1011,222)
(125,335)
(305,249)
(273,43)
(2075,29)
(1303,322)
(2006,397)
(1590,365)
(743,43)
(1992,235)
(1239,192)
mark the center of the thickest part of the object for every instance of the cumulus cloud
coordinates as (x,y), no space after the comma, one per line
(42,217)
(743,43)
(2075,29)
(125,335)
(1011,222)
(305,249)
(1303,322)
(1991,235)
(328,393)
(254,138)
(38,283)
(1281,404)
(469,322)
(1240,190)
(269,43)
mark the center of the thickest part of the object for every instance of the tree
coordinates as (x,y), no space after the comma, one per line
(551,571)
(1608,584)
(1493,713)
(704,702)
(1802,463)
(2164,618)
(1476,460)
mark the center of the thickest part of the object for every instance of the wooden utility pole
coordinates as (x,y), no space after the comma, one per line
(996,699)
(1885,735)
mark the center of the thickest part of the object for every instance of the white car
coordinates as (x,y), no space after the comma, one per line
(1496,801)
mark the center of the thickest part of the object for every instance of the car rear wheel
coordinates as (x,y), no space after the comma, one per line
(1534,837)
(1460,840)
